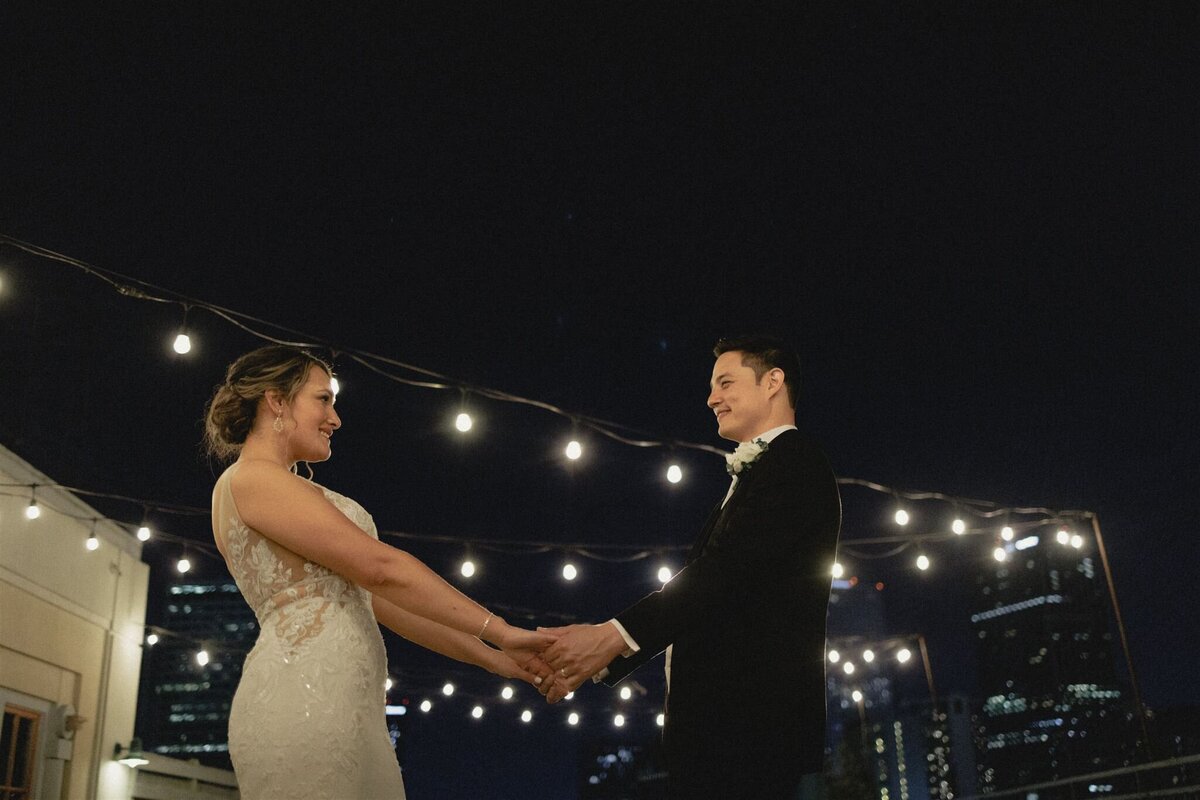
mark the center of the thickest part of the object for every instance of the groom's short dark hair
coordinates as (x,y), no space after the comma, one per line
(763,353)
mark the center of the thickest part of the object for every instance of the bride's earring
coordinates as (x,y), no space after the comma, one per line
(277,425)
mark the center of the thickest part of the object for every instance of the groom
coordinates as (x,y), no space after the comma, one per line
(743,623)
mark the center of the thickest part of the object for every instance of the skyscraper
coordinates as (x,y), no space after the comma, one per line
(183,708)
(1051,703)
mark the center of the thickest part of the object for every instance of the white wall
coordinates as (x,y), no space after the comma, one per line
(71,624)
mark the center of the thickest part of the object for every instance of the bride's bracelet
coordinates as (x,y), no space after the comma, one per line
(486,622)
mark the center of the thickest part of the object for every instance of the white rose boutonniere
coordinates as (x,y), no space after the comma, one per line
(742,458)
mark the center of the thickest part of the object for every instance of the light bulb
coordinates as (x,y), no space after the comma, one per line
(626,693)
(448,689)
(1077,541)
(848,668)
(573,450)
(92,542)
(573,718)
(335,385)
(33,510)
(901,517)
(152,639)
(619,721)
(143,533)
(834,656)
(182,344)
(526,716)
(903,655)
(922,562)
(959,527)
(425,706)
(467,569)
(569,572)
(507,693)
(999,554)
(856,696)
(838,570)
(183,565)
(463,422)
(568,695)
(387,685)
(477,712)
(664,574)
(1006,533)
(674,473)
(868,656)
(1063,536)
(202,657)
(660,720)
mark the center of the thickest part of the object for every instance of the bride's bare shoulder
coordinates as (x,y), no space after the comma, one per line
(256,475)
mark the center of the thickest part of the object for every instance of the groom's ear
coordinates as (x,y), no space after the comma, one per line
(775,380)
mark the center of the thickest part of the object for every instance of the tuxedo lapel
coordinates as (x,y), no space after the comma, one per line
(705,532)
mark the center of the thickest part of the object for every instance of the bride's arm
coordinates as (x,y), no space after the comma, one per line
(447,641)
(293,513)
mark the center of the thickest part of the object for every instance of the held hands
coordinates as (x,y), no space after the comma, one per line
(579,652)
(520,650)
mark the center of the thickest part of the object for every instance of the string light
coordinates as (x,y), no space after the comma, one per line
(448,689)
(387,685)
(1063,536)
(664,574)
(856,696)
(573,718)
(467,569)
(569,572)
(527,716)
(868,656)
(848,668)
(152,639)
(463,422)
(922,562)
(202,657)
(626,693)
(335,386)
(901,517)
(33,510)
(999,554)
(834,656)
(569,695)
(958,526)
(92,543)
(477,712)
(573,450)
(903,655)
(837,571)
(1006,533)
(660,720)
(674,473)
(143,533)
(1077,541)
(183,343)
(183,565)
(506,693)
(619,721)
(426,706)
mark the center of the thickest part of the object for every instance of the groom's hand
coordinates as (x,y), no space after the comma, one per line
(580,652)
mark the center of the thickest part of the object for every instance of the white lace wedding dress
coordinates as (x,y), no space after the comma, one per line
(307,719)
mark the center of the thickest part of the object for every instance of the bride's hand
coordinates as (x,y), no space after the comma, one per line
(532,673)
(524,649)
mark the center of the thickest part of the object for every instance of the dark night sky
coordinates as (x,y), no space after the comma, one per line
(977,224)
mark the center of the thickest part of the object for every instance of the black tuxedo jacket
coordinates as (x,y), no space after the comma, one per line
(746,615)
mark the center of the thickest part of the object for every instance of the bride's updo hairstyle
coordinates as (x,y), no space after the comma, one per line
(230,413)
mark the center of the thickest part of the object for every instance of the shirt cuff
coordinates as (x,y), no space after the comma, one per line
(633,645)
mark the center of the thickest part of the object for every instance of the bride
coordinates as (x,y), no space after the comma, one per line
(307,720)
